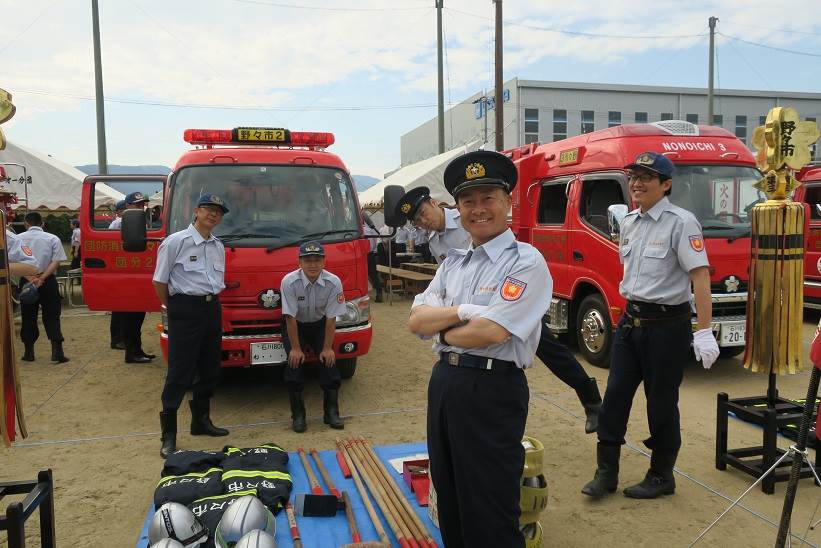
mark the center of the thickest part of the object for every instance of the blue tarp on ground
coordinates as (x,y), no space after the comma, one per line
(332,532)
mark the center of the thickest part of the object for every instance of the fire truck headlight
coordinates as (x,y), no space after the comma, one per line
(357,311)
(164,314)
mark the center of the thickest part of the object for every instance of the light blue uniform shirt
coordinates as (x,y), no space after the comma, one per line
(310,302)
(46,247)
(658,250)
(372,241)
(115,224)
(17,254)
(510,278)
(190,264)
(453,236)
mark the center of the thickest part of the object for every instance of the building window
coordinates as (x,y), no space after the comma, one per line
(762,120)
(613,118)
(531,125)
(814,147)
(559,124)
(641,117)
(741,128)
(666,115)
(718,120)
(692,118)
(588,124)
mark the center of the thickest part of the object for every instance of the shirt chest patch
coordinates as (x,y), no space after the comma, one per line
(486,289)
(301,298)
(193,258)
(512,289)
(27,250)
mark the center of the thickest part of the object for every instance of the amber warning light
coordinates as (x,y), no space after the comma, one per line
(258,136)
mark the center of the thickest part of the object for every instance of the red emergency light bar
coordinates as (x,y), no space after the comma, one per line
(258,136)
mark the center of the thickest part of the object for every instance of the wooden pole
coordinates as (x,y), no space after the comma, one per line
(377,524)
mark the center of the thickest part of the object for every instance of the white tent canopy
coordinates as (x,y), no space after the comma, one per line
(54,184)
(427,173)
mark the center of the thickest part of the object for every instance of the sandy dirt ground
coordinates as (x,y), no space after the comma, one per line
(94,422)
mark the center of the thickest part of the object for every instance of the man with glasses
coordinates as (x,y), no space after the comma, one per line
(662,249)
(189,276)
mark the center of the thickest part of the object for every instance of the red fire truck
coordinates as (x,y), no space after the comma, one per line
(810,193)
(282,188)
(562,206)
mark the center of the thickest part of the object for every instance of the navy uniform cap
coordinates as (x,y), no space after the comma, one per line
(655,162)
(119,206)
(411,201)
(212,199)
(311,248)
(135,198)
(29,294)
(480,168)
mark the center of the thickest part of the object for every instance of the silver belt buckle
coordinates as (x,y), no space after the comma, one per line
(208,298)
(453,359)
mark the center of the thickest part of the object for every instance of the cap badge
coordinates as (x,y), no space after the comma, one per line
(406,207)
(138,196)
(216,199)
(474,171)
(645,160)
(311,248)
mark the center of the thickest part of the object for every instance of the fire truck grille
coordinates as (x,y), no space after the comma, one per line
(253,327)
(729,309)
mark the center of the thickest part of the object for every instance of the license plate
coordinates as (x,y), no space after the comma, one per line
(733,334)
(272,352)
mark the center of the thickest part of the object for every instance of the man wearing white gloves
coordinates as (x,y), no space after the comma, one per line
(662,250)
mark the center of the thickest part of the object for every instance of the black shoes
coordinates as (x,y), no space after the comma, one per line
(591,400)
(201,424)
(298,423)
(57,355)
(119,345)
(28,356)
(659,479)
(168,422)
(606,479)
(330,406)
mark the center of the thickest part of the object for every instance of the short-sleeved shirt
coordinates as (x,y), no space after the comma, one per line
(115,224)
(659,248)
(308,301)
(512,279)
(372,241)
(453,236)
(420,236)
(46,247)
(402,235)
(190,264)
(18,253)
(75,237)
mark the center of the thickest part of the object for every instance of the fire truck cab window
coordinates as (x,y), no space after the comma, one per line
(553,204)
(597,196)
(813,198)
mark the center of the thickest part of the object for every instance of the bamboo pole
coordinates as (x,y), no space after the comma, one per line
(377,524)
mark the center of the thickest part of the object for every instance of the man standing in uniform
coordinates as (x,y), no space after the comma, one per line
(312,298)
(446,233)
(48,252)
(115,326)
(484,306)
(75,244)
(373,274)
(662,249)
(131,323)
(189,276)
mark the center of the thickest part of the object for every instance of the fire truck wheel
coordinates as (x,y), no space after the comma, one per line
(594,331)
(347,367)
(730,351)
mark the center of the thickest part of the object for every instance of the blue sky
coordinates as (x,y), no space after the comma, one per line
(364,70)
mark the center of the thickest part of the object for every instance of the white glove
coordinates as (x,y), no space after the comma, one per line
(705,347)
(468,311)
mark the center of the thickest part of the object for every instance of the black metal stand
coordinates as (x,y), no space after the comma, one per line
(771,413)
(40,494)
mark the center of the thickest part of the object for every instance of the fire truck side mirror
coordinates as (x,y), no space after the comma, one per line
(133,230)
(393,193)
(615,216)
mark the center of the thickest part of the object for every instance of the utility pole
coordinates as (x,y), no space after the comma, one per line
(499,105)
(441,80)
(712,22)
(102,161)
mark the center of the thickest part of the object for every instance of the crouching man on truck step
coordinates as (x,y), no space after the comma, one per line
(312,298)
(189,276)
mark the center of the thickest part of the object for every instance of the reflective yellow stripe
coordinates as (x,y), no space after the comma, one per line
(225,496)
(191,475)
(228,474)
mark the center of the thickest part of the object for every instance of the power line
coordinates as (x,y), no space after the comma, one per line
(22,32)
(323,8)
(579,33)
(766,46)
(787,31)
(750,65)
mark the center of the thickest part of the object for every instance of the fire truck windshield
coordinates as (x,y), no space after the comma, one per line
(720,196)
(269,205)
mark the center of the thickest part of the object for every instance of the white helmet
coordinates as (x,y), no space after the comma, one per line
(243,516)
(175,521)
(167,543)
(256,539)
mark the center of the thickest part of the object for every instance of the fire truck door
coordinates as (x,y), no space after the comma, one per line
(812,259)
(594,254)
(551,230)
(114,279)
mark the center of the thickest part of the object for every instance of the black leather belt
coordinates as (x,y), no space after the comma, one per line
(653,310)
(476,362)
(195,298)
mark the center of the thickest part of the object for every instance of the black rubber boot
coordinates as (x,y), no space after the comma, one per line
(57,355)
(298,423)
(379,294)
(201,424)
(607,474)
(28,356)
(659,479)
(591,401)
(168,422)
(330,406)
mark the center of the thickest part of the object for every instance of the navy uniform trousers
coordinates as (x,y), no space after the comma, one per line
(656,355)
(194,348)
(51,302)
(561,362)
(131,324)
(470,410)
(310,334)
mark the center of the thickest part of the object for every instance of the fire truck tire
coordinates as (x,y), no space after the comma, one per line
(347,367)
(594,331)
(730,351)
